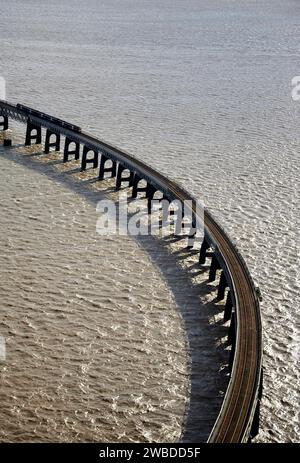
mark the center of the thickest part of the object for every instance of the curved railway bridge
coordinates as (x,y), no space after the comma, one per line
(238,420)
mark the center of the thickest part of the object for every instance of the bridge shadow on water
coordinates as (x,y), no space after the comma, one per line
(201,314)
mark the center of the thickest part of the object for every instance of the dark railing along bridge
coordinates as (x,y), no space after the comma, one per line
(238,420)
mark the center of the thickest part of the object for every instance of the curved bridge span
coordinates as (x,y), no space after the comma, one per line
(238,419)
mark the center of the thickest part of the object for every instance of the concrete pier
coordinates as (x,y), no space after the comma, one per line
(4,122)
(33,134)
(71,148)
(222,287)
(228,307)
(89,160)
(127,179)
(203,251)
(112,169)
(52,145)
(214,266)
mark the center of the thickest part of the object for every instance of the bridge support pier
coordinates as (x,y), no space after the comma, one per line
(120,179)
(203,252)
(33,137)
(228,307)
(86,160)
(231,356)
(214,266)
(71,152)
(255,423)
(48,144)
(4,123)
(232,340)
(193,231)
(103,169)
(136,189)
(178,221)
(232,330)
(222,286)
(191,237)
(150,192)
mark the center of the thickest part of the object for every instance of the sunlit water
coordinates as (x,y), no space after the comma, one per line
(201,90)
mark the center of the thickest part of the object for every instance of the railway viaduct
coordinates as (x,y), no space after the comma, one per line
(238,420)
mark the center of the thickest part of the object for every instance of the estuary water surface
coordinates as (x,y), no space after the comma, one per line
(201,90)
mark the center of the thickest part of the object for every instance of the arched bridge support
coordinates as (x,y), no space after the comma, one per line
(52,144)
(228,307)
(232,339)
(35,138)
(232,330)
(69,151)
(87,160)
(222,286)
(214,266)
(255,423)
(139,189)
(203,251)
(111,169)
(192,232)
(4,122)
(149,190)
(123,179)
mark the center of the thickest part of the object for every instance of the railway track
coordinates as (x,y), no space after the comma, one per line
(238,418)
